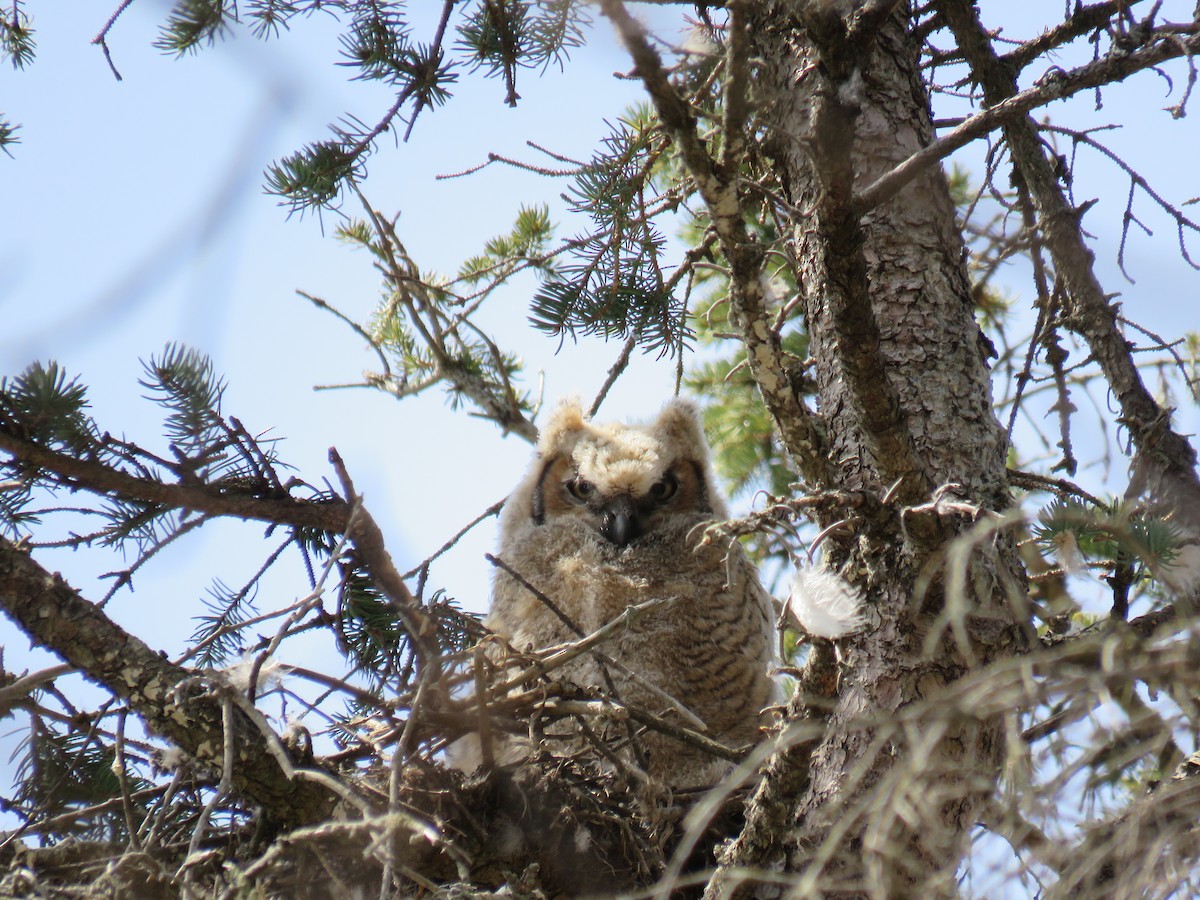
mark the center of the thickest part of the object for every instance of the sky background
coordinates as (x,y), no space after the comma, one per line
(134,215)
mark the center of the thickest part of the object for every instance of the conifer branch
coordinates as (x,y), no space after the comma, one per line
(451,353)
(217,499)
(719,190)
(55,616)
(231,500)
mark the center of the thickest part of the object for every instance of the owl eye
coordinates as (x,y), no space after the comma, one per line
(581,488)
(665,489)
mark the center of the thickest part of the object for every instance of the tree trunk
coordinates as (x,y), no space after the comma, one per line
(905,399)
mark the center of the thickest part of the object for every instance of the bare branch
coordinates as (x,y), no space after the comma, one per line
(56,617)
(1165,458)
(1014,106)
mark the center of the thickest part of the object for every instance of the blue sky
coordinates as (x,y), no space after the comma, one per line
(134,216)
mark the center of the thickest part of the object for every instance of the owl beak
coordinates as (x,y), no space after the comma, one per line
(619,520)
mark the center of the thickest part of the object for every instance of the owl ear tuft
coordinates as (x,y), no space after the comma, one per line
(679,424)
(562,429)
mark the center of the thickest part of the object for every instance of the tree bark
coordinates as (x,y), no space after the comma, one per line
(905,399)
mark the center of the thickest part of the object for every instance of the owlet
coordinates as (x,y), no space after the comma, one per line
(609,516)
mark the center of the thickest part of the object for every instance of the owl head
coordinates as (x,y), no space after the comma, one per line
(621,480)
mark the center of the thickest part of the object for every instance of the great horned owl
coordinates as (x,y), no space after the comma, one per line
(609,516)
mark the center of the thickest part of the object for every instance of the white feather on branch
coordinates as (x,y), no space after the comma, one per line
(824,604)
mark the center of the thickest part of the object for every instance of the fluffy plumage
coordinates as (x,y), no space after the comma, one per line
(825,605)
(611,515)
